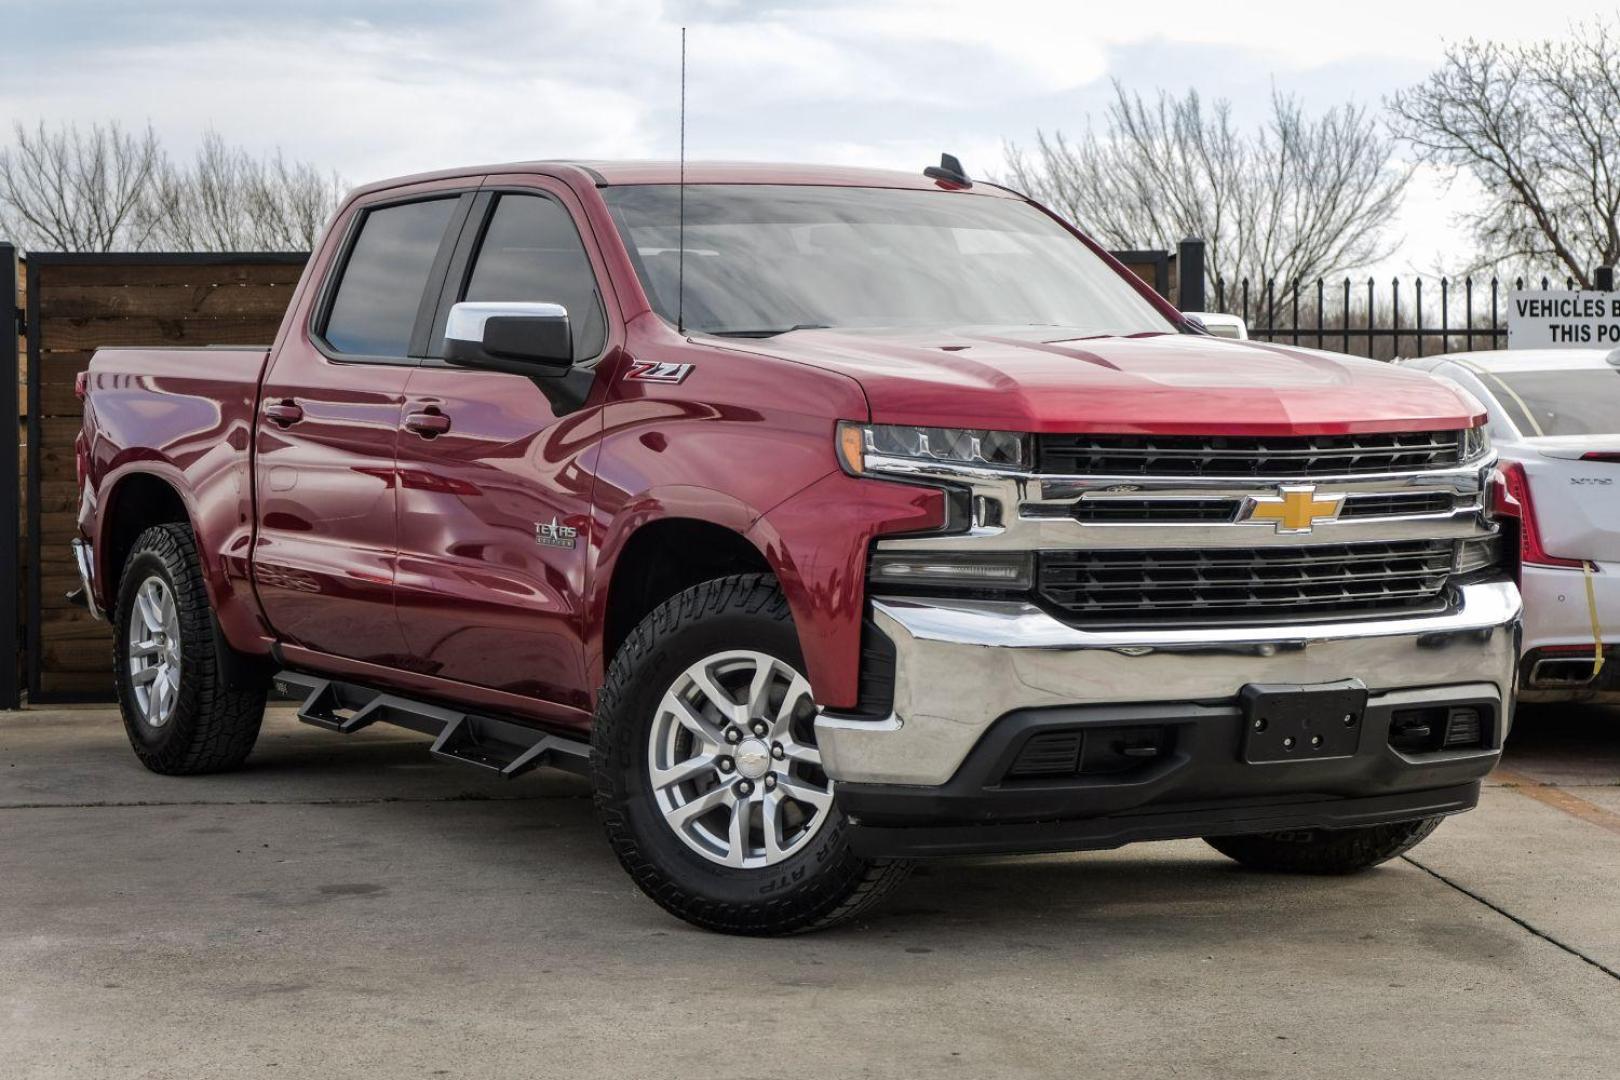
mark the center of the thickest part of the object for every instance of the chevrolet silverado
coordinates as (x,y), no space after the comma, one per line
(825,518)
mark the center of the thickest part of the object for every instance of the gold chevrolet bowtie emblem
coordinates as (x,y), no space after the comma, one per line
(1294,509)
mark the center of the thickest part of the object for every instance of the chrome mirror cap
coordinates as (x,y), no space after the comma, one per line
(513,336)
(468,319)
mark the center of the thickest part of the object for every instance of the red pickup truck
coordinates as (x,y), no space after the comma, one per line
(825,518)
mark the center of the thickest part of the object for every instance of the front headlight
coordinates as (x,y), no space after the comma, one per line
(1476,443)
(860,444)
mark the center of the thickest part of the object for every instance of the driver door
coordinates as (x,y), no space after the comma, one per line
(496,476)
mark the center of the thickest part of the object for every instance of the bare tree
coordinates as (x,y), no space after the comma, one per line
(1292,200)
(226,199)
(109,189)
(1538,126)
(78,190)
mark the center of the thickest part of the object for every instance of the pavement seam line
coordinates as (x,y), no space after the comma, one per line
(1556,797)
(1508,915)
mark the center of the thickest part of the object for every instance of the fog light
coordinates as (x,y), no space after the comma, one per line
(1464,728)
(1004,571)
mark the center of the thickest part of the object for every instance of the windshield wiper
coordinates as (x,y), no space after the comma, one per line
(769,333)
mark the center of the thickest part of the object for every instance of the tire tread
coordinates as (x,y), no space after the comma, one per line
(220,724)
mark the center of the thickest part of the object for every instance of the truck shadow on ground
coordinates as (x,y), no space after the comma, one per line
(1173,893)
(1587,736)
(469,825)
(1153,898)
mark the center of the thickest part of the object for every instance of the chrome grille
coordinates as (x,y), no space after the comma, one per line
(1219,510)
(1399,504)
(1273,457)
(1177,511)
(1220,584)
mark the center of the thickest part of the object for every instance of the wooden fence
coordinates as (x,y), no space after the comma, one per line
(75,305)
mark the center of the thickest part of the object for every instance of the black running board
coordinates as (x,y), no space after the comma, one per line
(502,747)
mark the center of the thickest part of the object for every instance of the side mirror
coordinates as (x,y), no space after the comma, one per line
(1219,324)
(521,338)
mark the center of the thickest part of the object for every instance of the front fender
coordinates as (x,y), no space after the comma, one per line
(685,502)
(817,542)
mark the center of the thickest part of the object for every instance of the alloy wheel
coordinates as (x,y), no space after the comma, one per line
(733,763)
(154,652)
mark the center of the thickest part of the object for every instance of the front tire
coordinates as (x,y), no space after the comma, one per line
(1324,851)
(706,774)
(181,715)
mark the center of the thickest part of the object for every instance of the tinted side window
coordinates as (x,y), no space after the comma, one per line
(374,309)
(532,252)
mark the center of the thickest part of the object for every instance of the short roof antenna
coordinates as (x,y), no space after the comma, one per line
(680,229)
(949,170)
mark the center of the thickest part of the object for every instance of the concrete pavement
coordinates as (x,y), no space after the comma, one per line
(348,907)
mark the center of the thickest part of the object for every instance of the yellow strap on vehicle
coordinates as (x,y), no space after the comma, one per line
(1597,628)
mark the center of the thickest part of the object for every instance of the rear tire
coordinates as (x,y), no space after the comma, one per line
(1324,851)
(179,712)
(741,833)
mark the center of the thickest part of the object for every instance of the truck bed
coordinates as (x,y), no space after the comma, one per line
(184,414)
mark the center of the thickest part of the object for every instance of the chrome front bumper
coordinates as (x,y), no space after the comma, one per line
(963,664)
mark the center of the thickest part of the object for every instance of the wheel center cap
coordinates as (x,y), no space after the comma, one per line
(753,758)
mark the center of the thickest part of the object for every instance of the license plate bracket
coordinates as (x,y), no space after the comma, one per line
(1289,722)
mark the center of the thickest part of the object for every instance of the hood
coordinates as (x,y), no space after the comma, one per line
(1042,380)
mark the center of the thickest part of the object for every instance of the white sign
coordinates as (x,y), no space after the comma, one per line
(1555,318)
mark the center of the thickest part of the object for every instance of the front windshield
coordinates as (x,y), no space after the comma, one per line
(767,259)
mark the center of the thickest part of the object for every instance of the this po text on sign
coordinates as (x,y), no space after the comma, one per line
(1551,318)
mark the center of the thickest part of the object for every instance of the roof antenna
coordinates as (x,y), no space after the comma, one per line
(680,258)
(949,170)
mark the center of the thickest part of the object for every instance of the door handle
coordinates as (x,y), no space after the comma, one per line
(428,424)
(285,412)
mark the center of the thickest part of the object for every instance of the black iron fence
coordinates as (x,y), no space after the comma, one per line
(1411,318)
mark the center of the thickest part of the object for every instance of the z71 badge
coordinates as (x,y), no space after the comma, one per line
(659,371)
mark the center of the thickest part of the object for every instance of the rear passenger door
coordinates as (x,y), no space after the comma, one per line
(495,492)
(331,402)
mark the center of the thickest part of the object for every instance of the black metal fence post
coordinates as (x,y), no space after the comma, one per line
(35,605)
(1190,274)
(1603,279)
(1387,315)
(11,317)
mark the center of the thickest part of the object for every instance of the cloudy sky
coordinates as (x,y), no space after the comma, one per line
(379,87)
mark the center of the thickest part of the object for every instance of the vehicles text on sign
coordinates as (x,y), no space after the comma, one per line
(1553,318)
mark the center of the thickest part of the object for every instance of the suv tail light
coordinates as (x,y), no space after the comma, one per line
(81,385)
(1511,499)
